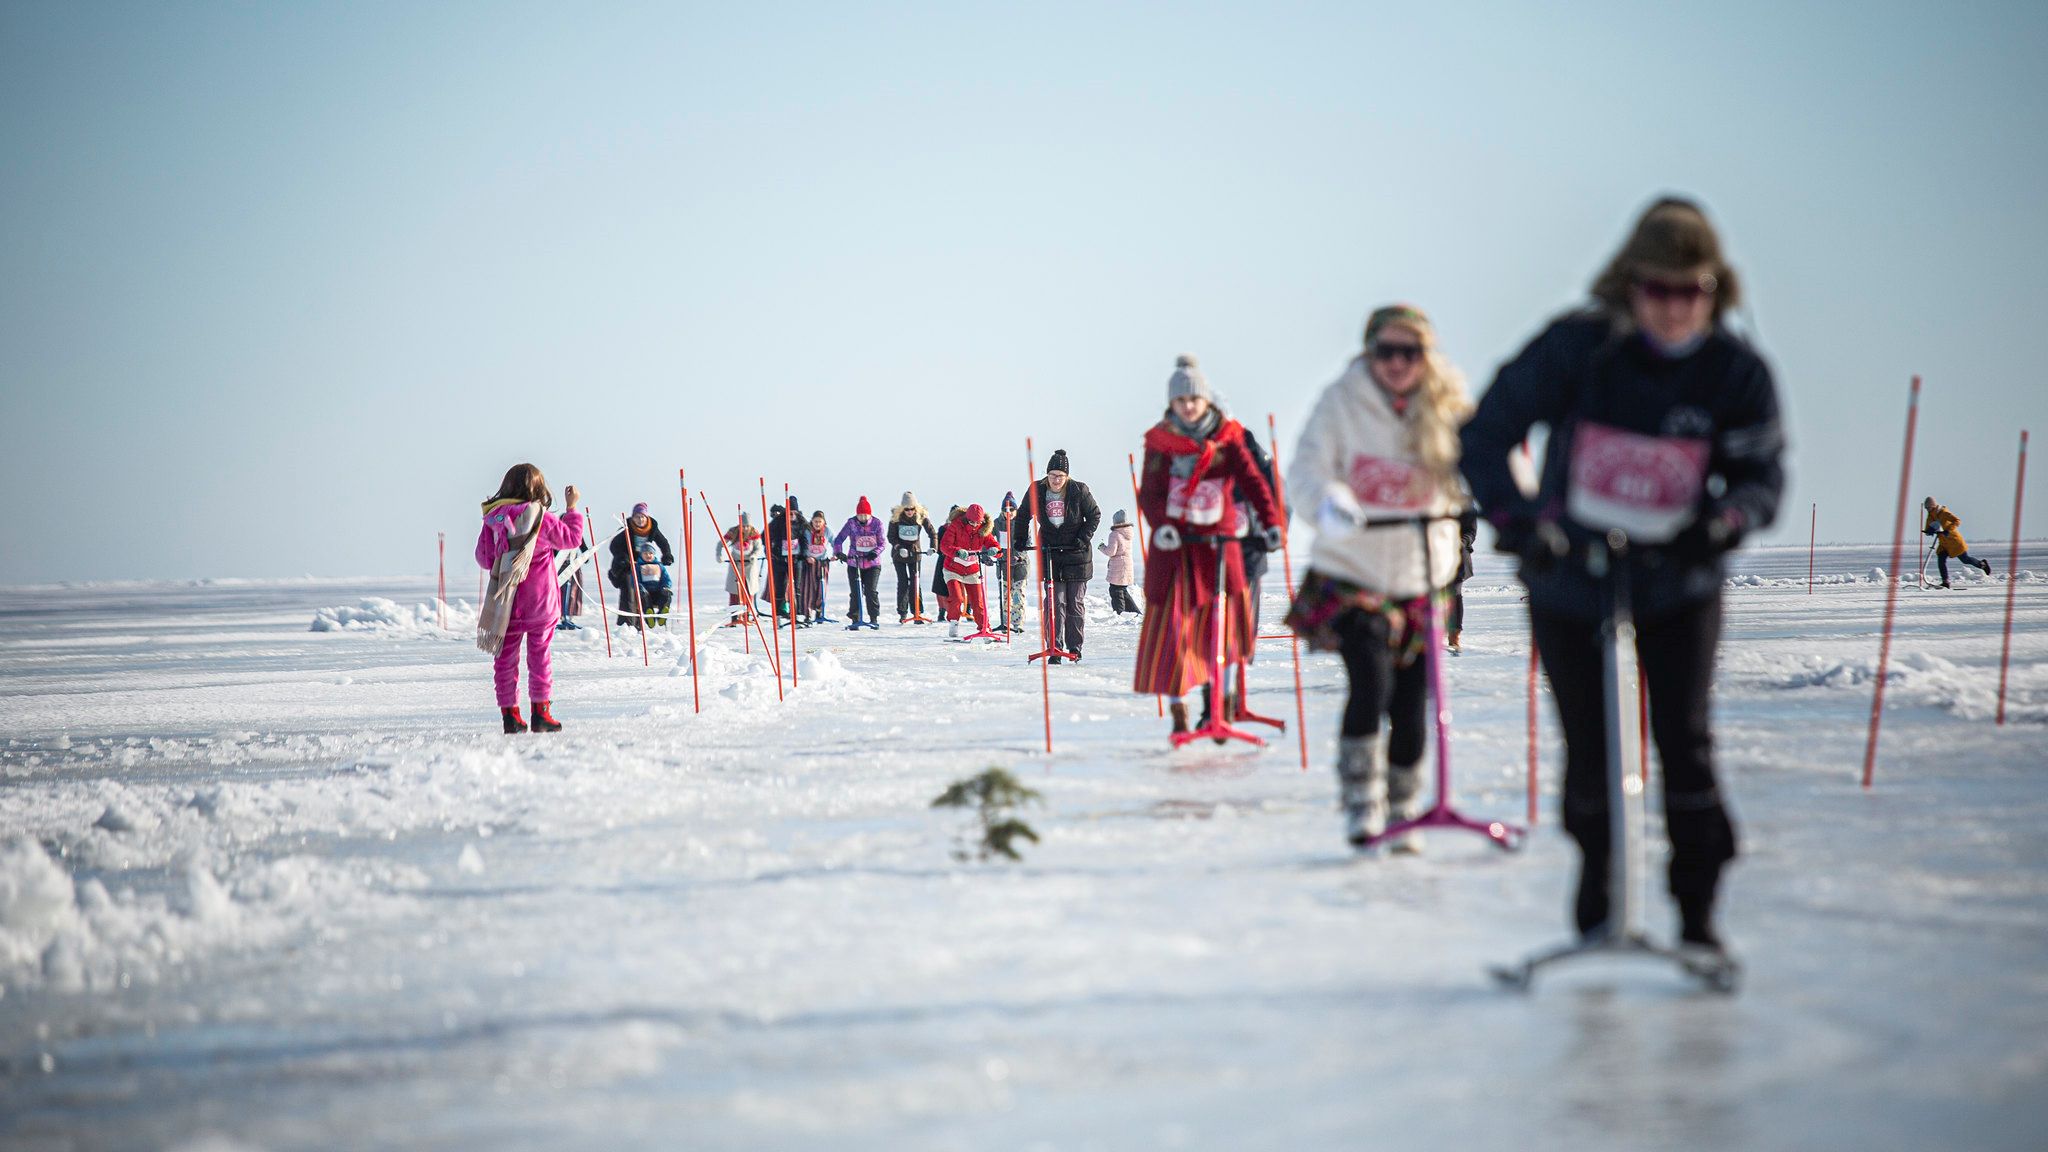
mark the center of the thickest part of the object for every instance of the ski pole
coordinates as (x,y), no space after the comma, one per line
(690,586)
(1891,594)
(1287,563)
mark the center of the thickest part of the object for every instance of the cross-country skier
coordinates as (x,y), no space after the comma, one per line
(740,548)
(1122,569)
(860,544)
(1013,528)
(1067,519)
(1945,527)
(1657,412)
(624,572)
(1193,457)
(909,527)
(517,545)
(1382,444)
(965,545)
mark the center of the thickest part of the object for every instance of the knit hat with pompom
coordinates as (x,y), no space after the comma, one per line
(1187,380)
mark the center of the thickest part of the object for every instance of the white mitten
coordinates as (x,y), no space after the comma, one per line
(1166,538)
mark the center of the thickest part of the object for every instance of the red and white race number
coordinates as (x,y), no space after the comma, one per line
(1203,504)
(1647,486)
(1396,485)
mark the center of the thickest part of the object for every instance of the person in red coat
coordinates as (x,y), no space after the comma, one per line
(961,546)
(1194,458)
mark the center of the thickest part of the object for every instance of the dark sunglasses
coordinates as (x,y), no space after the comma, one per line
(1388,353)
(1666,290)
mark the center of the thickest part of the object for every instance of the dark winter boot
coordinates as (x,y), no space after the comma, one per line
(1179,712)
(1985,565)
(512,721)
(543,720)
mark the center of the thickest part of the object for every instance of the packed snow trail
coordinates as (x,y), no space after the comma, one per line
(290,887)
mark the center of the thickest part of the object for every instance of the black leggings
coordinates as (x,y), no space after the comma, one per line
(1677,654)
(908,571)
(1380,687)
(1943,559)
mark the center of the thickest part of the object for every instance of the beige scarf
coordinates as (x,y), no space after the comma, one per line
(507,574)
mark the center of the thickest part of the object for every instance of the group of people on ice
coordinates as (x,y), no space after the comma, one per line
(1665,449)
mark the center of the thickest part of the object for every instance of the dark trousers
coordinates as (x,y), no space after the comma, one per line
(1941,562)
(1121,601)
(1381,687)
(1456,621)
(1069,614)
(864,582)
(909,575)
(1677,654)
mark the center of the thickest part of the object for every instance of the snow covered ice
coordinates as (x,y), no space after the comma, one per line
(270,878)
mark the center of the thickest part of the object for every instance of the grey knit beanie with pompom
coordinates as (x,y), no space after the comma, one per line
(1187,380)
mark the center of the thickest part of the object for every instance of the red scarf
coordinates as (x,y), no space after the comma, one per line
(1165,441)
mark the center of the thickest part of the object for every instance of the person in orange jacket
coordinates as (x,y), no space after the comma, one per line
(1943,525)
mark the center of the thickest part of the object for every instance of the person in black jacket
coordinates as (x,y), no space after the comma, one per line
(783,546)
(909,528)
(1647,372)
(1067,517)
(640,527)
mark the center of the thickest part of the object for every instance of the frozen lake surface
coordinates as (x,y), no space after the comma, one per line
(268,887)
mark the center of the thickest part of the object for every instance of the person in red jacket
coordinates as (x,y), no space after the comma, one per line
(962,548)
(1194,458)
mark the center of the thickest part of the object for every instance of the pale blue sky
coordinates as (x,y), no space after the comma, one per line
(285,288)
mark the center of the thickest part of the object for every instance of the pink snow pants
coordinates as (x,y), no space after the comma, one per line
(540,665)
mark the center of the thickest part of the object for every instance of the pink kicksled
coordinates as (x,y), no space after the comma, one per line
(1442,814)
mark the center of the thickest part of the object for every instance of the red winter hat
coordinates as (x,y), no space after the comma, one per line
(974,514)
(864,508)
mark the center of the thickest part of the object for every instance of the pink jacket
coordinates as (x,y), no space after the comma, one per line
(539,602)
(1118,549)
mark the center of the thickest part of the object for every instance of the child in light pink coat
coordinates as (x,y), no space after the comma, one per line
(517,546)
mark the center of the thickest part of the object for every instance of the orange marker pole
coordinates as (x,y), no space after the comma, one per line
(1287,565)
(1144,543)
(690,586)
(1891,592)
(2012,574)
(774,611)
(604,614)
(789,574)
(1044,618)
(746,586)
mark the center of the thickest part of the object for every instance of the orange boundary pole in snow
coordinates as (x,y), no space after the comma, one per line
(1044,619)
(1642,721)
(746,587)
(774,610)
(441,597)
(690,586)
(1287,562)
(739,565)
(604,614)
(1534,660)
(633,573)
(1812,526)
(789,574)
(1891,592)
(1144,542)
(2012,573)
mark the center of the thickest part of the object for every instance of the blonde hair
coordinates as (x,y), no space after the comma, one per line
(1441,404)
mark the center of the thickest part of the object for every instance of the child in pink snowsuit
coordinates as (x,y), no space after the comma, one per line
(519,508)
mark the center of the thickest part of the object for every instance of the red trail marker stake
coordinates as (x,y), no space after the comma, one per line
(1534,659)
(1044,618)
(2012,574)
(690,586)
(1811,527)
(441,595)
(1891,591)
(739,564)
(774,610)
(1144,540)
(1287,565)
(604,614)
(789,573)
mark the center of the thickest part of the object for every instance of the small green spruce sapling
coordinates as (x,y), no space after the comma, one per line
(994,795)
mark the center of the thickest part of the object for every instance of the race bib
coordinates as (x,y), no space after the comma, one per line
(1202,504)
(1647,486)
(907,531)
(820,551)
(650,572)
(1056,508)
(1394,485)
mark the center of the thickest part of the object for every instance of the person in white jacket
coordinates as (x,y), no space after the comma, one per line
(1382,444)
